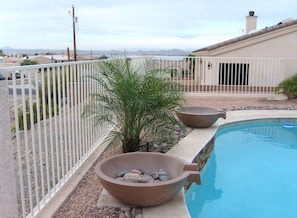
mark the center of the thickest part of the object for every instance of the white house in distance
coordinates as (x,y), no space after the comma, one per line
(47,59)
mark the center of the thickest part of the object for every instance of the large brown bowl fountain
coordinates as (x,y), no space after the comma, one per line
(146,194)
(199,117)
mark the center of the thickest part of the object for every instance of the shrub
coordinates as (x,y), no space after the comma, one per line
(28,62)
(289,86)
(138,101)
(28,115)
(49,98)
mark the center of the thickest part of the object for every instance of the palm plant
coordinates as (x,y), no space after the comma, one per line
(137,100)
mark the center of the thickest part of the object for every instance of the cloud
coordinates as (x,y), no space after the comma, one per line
(135,23)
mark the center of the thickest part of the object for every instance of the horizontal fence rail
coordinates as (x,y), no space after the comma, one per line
(51,139)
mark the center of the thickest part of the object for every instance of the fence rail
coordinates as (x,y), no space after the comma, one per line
(51,140)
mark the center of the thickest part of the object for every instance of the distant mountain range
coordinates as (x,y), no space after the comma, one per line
(171,52)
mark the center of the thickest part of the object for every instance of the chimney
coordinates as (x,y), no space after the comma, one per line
(251,22)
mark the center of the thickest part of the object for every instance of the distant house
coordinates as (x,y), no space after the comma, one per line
(47,59)
(278,41)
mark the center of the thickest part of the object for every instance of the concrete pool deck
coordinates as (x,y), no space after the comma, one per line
(187,149)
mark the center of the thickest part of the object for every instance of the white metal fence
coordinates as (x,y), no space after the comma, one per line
(229,75)
(51,140)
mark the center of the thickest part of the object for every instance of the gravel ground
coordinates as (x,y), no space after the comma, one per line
(82,202)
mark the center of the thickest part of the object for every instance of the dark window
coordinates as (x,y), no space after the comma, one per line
(233,74)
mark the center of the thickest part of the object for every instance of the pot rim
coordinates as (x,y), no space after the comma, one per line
(177,179)
(209,111)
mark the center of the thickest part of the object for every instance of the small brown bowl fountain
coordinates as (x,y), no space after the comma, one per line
(199,117)
(146,194)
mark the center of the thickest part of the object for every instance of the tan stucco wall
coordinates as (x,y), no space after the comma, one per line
(279,47)
(280,43)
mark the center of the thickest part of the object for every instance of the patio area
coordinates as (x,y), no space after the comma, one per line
(101,204)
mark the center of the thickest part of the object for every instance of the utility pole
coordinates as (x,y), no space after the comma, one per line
(74,20)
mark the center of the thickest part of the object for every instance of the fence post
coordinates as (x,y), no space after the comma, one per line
(8,196)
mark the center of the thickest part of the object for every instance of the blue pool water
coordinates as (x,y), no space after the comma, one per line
(251,173)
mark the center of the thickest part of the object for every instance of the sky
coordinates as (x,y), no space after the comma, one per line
(133,24)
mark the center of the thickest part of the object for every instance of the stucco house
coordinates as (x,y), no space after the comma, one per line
(260,58)
(47,59)
(278,41)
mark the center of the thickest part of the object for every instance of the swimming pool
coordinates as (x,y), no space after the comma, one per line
(252,172)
